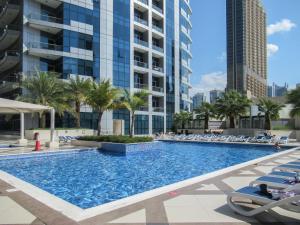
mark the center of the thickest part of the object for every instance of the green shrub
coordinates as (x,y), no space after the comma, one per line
(116,139)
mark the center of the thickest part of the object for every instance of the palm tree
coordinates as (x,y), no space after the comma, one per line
(293,97)
(232,105)
(133,102)
(102,97)
(182,118)
(270,109)
(204,112)
(45,88)
(78,89)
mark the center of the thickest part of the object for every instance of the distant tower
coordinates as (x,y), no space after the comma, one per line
(246,47)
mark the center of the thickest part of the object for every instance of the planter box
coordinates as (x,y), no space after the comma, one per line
(242,131)
(92,144)
(117,147)
(45,134)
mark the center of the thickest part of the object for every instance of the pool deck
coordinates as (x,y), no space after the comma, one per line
(198,201)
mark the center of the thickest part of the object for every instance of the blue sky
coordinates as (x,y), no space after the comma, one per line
(209,43)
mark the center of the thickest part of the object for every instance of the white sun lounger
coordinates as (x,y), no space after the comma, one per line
(265,203)
(287,168)
(272,182)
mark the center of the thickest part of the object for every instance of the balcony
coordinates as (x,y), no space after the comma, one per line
(141,86)
(45,23)
(158,48)
(158,109)
(45,50)
(158,89)
(9,12)
(143,1)
(141,21)
(6,87)
(8,60)
(140,64)
(51,3)
(141,42)
(8,36)
(157,8)
(157,28)
(143,109)
(158,68)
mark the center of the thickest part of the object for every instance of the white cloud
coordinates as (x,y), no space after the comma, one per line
(281,26)
(272,49)
(222,58)
(211,81)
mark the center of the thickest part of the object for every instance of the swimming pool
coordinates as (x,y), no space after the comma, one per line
(90,178)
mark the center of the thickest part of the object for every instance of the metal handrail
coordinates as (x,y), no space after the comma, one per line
(158,48)
(7,2)
(140,86)
(144,1)
(158,68)
(157,89)
(141,42)
(43,17)
(159,29)
(140,64)
(158,109)
(157,8)
(9,53)
(47,46)
(144,108)
(142,21)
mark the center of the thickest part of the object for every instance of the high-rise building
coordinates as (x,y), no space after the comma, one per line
(277,91)
(214,95)
(246,47)
(198,100)
(298,85)
(137,44)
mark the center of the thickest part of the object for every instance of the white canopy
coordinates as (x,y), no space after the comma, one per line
(8,106)
(16,107)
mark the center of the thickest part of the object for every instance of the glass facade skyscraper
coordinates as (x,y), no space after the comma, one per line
(136,44)
(247,47)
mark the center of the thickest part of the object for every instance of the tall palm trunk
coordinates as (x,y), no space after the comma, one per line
(77,118)
(42,120)
(100,114)
(232,122)
(206,119)
(132,124)
(267,122)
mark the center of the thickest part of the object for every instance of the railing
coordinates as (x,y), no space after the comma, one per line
(144,1)
(46,18)
(144,109)
(47,46)
(158,48)
(32,73)
(140,20)
(158,109)
(5,5)
(157,28)
(157,8)
(5,54)
(8,27)
(157,89)
(140,64)
(140,86)
(158,68)
(141,42)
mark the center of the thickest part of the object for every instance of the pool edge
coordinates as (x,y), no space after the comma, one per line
(77,214)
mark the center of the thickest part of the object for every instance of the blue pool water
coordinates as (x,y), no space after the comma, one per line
(91,178)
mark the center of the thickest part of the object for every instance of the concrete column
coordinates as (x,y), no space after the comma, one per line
(22,140)
(52,143)
(52,138)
